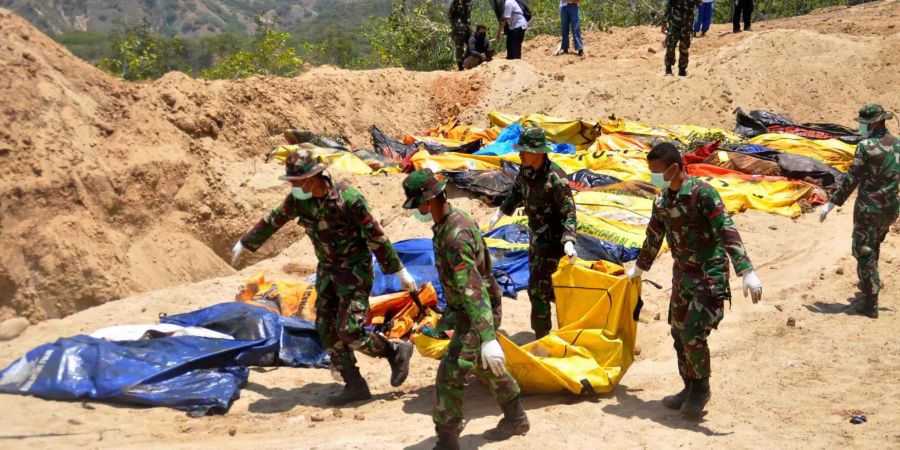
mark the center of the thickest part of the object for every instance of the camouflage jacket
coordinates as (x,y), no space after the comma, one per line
(341,228)
(460,12)
(463,261)
(876,170)
(698,229)
(548,204)
(679,10)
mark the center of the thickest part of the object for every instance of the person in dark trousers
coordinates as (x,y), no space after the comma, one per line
(570,18)
(742,8)
(513,23)
(704,18)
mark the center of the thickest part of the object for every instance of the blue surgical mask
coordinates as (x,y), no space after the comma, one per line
(423,217)
(864,130)
(300,194)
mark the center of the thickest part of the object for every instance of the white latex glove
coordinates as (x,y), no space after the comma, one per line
(236,253)
(569,248)
(492,357)
(495,218)
(634,272)
(753,286)
(824,210)
(407,281)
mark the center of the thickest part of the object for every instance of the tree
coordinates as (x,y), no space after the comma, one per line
(268,54)
(416,37)
(138,55)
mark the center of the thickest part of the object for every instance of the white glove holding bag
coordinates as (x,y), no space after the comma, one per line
(407,281)
(634,272)
(569,248)
(495,218)
(492,357)
(236,253)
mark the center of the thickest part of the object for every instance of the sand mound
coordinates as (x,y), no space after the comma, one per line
(115,188)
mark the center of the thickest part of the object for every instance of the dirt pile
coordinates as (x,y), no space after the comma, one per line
(114,188)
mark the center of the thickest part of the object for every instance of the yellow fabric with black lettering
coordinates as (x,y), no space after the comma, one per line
(559,130)
(833,152)
(594,345)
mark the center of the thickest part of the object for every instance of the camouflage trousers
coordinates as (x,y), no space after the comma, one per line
(460,36)
(542,264)
(695,309)
(679,35)
(463,357)
(342,304)
(869,231)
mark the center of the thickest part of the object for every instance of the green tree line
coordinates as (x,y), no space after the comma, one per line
(414,34)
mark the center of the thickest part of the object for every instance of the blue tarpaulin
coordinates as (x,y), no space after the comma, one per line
(288,341)
(588,247)
(509,137)
(195,374)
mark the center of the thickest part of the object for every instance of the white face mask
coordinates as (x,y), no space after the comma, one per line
(300,194)
(659,179)
(423,217)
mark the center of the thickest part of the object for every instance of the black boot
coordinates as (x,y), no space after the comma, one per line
(668,70)
(459,64)
(355,388)
(675,401)
(448,436)
(540,333)
(398,355)
(697,398)
(682,72)
(867,306)
(513,423)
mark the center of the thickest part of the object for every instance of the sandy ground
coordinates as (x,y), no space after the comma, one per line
(136,192)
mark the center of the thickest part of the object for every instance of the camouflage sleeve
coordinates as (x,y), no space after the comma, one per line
(514,199)
(467,282)
(848,182)
(566,201)
(656,232)
(446,322)
(255,237)
(378,242)
(711,206)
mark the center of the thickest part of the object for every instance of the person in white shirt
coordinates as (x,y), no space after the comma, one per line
(514,24)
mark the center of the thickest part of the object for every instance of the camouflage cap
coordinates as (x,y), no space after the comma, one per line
(873,112)
(301,165)
(421,186)
(533,140)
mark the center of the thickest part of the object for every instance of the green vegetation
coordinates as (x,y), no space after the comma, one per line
(355,34)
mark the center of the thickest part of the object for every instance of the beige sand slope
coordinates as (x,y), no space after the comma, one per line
(113,189)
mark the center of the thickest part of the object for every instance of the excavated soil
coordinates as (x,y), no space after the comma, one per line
(135,192)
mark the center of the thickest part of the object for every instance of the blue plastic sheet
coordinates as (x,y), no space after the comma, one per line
(195,374)
(509,137)
(286,340)
(510,269)
(588,247)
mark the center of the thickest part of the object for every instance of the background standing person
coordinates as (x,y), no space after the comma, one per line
(704,17)
(876,170)
(742,8)
(691,217)
(460,28)
(570,17)
(679,18)
(480,50)
(514,24)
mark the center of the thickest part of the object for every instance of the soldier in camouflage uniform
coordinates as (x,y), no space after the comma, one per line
(542,186)
(460,28)
(690,215)
(876,170)
(344,235)
(679,21)
(464,267)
